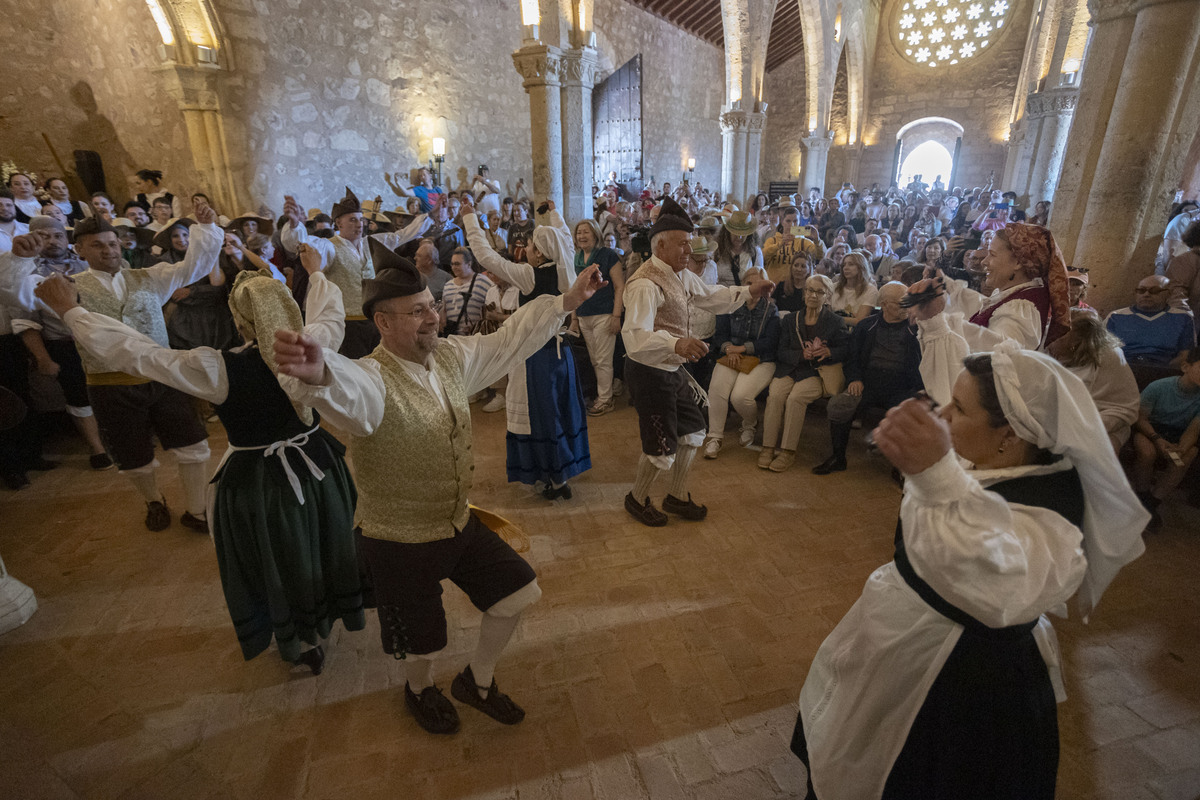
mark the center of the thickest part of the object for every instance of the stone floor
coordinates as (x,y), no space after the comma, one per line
(661,663)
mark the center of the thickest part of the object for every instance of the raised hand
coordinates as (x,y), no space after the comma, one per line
(300,356)
(27,245)
(587,284)
(59,293)
(761,289)
(293,211)
(205,214)
(310,258)
(913,436)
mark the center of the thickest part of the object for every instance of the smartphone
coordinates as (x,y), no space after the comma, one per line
(797,231)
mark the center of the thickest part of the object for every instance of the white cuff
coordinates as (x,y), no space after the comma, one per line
(73,314)
(944,482)
(934,326)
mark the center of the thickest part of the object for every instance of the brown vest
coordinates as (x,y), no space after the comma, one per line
(672,315)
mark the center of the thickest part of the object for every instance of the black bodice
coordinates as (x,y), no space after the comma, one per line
(545,281)
(257,411)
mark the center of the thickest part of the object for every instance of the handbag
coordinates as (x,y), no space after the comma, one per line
(832,378)
(746,364)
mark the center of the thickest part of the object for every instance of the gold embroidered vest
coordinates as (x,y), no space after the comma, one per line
(672,315)
(347,271)
(415,471)
(142,311)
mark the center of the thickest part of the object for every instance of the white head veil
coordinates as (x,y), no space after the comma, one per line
(1048,405)
(554,243)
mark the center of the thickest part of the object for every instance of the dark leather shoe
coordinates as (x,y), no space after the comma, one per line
(158,516)
(685,508)
(100,461)
(831,464)
(194,523)
(645,513)
(551,493)
(432,710)
(314,659)
(496,705)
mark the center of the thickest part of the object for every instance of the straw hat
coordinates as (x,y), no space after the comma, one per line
(741,223)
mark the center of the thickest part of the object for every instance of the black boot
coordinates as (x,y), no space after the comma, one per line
(839,435)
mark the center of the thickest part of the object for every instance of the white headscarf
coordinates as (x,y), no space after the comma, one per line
(1048,405)
(555,244)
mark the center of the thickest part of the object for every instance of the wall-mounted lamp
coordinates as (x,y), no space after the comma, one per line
(691,168)
(1071,66)
(205,55)
(439,157)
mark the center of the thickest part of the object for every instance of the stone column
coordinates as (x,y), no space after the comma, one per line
(579,67)
(741,134)
(1119,221)
(1048,122)
(195,89)
(816,158)
(540,67)
(853,156)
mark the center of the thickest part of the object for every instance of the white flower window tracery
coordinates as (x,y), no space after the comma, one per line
(944,32)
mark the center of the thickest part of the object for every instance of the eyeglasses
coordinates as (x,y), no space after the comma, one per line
(417,312)
(1150,290)
(814,292)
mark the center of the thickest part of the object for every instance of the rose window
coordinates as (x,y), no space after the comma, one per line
(936,33)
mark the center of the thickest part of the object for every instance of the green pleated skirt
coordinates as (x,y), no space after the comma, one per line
(289,571)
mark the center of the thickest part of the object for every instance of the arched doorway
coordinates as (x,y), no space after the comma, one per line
(927,147)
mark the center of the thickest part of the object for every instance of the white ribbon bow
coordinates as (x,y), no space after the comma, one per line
(296,443)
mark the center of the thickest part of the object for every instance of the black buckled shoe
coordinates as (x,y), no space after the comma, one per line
(685,508)
(496,705)
(831,464)
(432,710)
(645,513)
(314,659)
(100,461)
(158,516)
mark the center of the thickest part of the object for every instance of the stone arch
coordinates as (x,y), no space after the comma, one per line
(194,26)
(928,135)
(854,45)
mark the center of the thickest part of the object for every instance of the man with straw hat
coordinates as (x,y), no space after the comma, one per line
(405,406)
(130,409)
(659,340)
(282,501)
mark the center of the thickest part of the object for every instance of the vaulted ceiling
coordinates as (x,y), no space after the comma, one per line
(703,18)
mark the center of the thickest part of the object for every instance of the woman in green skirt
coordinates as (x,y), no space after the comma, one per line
(282,513)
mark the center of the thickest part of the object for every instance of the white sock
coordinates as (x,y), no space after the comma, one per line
(679,473)
(418,672)
(494,633)
(195,487)
(646,473)
(145,480)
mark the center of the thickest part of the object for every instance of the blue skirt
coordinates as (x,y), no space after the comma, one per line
(556,449)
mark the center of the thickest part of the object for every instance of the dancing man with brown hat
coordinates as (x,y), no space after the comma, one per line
(405,407)
(658,342)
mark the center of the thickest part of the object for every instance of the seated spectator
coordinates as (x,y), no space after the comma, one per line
(746,342)
(60,196)
(134,212)
(831,265)
(1077,284)
(1156,336)
(160,214)
(812,346)
(26,200)
(1166,433)
(880,267)
(1094,355)
(135,242)
(1041,213)
(1184,269)
(102,206)
(426,260)
(882,369)
(737,254)
(789,292)
(464,296)
(55,213)
(854,291)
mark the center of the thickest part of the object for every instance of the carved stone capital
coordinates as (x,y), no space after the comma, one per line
(1051,102)
(1101,11)
(815,143)
(579,67)
(539,65)
(743,121)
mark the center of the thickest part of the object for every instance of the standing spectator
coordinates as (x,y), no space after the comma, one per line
(464,295)
(147,183)
(1184,269)
(738,256)
(1077,284)
(600,315)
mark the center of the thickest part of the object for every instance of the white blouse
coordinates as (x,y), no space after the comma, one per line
(1003,563)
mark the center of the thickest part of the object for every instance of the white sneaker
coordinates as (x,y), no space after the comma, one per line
(599,409)
(475,398)
(747,437)
(495,404)
(711,448)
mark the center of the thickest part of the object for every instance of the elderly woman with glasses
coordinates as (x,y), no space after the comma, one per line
(812,346)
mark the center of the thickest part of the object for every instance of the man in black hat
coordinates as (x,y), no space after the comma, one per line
(346,261)
(405,406)
(658,342)
(130,411)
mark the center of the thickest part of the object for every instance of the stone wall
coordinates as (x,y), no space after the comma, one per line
(784,91)
(977,94)
(83,72)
